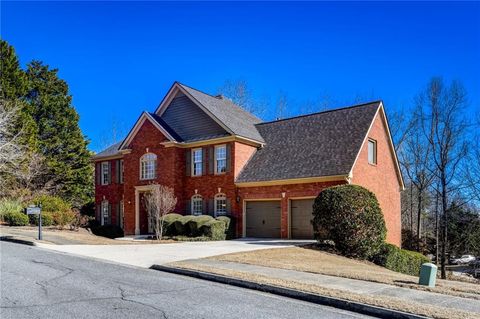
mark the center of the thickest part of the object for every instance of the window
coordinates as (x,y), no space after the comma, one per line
(197,205)
(105,211)
(220,204)
(372,152)
(220,159)
(105,173)
(148,166)
(197,162)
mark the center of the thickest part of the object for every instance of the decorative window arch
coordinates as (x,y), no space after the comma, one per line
(197,204)
(220,204)
(148,166)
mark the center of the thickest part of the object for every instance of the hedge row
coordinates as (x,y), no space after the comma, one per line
(197,226)
(400,260)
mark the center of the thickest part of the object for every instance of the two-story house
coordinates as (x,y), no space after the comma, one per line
(222,160)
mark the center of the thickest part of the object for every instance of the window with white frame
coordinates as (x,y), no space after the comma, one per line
(220,204)
(148,166)
(105,212)
(220,159)
(197,162)
(197,204)
(372,151)
(105,173)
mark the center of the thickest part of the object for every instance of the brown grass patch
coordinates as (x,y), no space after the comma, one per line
(320,262)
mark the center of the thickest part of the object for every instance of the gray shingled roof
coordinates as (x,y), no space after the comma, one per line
(321,144)
(166,127)
(239,121)
(112,150)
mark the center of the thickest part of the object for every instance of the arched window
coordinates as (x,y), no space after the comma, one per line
(197,204)
(220,204)
(148,166)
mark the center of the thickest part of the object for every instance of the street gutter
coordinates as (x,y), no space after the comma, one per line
(294,294)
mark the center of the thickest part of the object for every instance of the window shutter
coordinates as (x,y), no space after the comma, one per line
(211,160)
(121,171)
(99,212)
(204,160)
(188,162)
(109,172)
(229,206)
(117,171)
(188,207)
(211,208)
(205,208)
(98,171)
(109,220)
(229,157)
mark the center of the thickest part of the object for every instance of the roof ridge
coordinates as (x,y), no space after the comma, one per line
(321,112)
(188,86)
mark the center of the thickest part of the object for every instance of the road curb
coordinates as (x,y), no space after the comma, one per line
(17,240)
(292,293)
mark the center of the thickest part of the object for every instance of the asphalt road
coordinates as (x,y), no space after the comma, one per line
(36,283)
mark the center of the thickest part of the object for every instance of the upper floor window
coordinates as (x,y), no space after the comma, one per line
(372,151)
(197,162)
(197,204)
(220,159)
(148,166)
(105,176)
(220,204)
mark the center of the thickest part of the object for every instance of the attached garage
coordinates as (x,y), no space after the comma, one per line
(300,217)
(263,219)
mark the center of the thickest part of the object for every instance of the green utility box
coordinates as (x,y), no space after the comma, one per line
(428,275)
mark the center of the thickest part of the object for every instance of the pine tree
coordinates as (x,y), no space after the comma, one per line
(60,139)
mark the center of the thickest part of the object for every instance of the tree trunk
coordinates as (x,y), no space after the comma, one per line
(419,217)
(411,212)
(437,256)
(443,181)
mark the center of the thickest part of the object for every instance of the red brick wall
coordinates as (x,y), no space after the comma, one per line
(275,192)
(112,192)
(381,178)
(242,153)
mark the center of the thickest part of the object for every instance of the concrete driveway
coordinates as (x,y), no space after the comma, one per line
(149,254)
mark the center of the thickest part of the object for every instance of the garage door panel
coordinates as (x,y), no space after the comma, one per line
(300,217)
(263,219)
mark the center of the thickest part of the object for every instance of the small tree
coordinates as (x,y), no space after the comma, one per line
(351,217)
(159,202)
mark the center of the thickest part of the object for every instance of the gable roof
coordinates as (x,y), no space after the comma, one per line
(156,121)
(230,116)
(110,151)
(319,144)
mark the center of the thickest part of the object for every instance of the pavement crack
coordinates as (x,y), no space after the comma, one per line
(148,305)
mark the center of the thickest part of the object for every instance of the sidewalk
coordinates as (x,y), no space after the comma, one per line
(394,297)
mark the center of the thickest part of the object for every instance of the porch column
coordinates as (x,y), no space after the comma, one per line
(137,212)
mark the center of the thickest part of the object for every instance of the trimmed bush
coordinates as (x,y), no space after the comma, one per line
(63,218)
(351,217)
(10,206)
(193,225)
(110,231)
(16,218)
(47,219)
(52,203)
(400,260)
(181,225)
(215,229)
(168,224)
(229,226)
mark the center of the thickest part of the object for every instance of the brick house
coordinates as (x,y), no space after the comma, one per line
(222,160)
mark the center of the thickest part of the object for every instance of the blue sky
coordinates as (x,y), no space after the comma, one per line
(120,58)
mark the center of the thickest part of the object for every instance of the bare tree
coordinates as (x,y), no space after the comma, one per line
(239,93)
(445,129)
(114,134)
(159,202)
(11,152)
(415,157)
(282,105)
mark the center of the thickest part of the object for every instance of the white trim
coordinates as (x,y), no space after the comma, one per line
(215,159)
(102,181)
(196,197)
(139,124)
(142,178)
(193,161)
(392,148)
(138,190)
(219,196)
